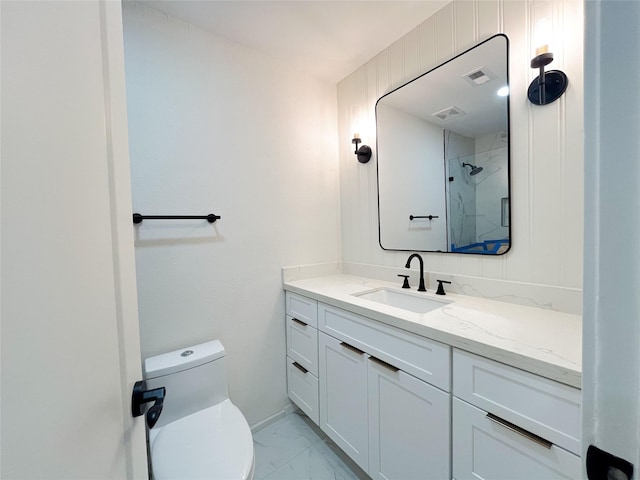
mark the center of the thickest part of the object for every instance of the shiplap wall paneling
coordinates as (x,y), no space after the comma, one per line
(546,142)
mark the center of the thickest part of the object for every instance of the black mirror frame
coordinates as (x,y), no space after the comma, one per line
(508,153)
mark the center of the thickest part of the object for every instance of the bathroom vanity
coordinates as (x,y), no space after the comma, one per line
(471,388)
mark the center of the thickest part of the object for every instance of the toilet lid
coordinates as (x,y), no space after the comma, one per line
(214,443)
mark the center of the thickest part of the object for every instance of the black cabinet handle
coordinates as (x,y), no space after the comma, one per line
(384,364)
(352,348)
(300,367)
(299,322)
(520,431)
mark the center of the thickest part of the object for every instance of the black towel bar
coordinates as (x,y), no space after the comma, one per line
(137,218)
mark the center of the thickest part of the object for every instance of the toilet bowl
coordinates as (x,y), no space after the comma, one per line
(200,433)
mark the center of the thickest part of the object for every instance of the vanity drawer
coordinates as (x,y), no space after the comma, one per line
(541,406)
(483,448)
(302,388)
(302,308)
(302,344)
(423,358)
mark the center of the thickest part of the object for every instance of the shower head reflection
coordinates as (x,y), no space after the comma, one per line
(474,169)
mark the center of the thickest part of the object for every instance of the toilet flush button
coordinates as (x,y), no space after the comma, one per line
(186,353)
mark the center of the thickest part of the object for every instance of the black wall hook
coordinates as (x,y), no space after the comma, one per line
(141,396)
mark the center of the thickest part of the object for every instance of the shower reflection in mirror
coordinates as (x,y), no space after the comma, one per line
(477,188)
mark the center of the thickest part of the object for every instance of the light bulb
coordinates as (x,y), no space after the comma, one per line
(542,36)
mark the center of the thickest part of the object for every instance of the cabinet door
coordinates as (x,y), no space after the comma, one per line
(409,429)
(343,397)
(484,449)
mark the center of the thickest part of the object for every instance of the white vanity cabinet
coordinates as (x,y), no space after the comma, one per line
(403,406)
(391,423)
(510,424)
(302,353)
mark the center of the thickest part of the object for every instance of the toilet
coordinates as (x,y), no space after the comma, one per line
(200,434)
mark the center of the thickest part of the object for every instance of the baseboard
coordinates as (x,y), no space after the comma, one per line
(288,409)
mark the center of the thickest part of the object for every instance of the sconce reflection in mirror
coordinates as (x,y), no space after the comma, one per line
(548,86)
(364,152)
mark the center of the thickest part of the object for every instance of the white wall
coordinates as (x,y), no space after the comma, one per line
(218,128)
(546,142)
(611,379)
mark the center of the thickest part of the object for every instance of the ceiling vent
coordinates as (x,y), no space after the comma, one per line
(448,113)
(479,76)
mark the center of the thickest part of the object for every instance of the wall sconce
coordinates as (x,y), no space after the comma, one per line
(548,86)
(364,152)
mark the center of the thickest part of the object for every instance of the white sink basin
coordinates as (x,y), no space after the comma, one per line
(413,302)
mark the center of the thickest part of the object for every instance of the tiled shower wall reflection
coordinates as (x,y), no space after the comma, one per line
(476,212)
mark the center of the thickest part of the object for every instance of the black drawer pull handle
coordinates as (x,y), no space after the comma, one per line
(300,367)
(299,322)
(352,348)
(384,364)
(520,431)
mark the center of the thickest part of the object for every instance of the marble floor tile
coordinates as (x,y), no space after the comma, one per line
(280,442)
(343,467)
(293,448)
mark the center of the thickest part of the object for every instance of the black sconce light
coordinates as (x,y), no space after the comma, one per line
(548,86)
(364,152)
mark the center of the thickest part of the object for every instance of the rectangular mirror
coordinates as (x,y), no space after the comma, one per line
(443,156)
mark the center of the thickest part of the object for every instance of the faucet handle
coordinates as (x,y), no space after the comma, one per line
(405,284)
(440,290)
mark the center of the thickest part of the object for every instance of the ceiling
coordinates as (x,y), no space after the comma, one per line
(481,110)
(325,38)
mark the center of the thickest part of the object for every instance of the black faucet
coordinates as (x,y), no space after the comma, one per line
(440,290)
(421,287)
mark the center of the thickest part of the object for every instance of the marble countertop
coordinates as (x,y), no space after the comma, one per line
(544,342)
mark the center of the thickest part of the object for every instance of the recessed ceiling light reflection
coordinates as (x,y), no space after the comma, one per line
(503,92)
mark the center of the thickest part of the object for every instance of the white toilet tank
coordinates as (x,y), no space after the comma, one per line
(200,433)
(194,377)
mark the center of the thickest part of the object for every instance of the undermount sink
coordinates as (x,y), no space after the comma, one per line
(407,301)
